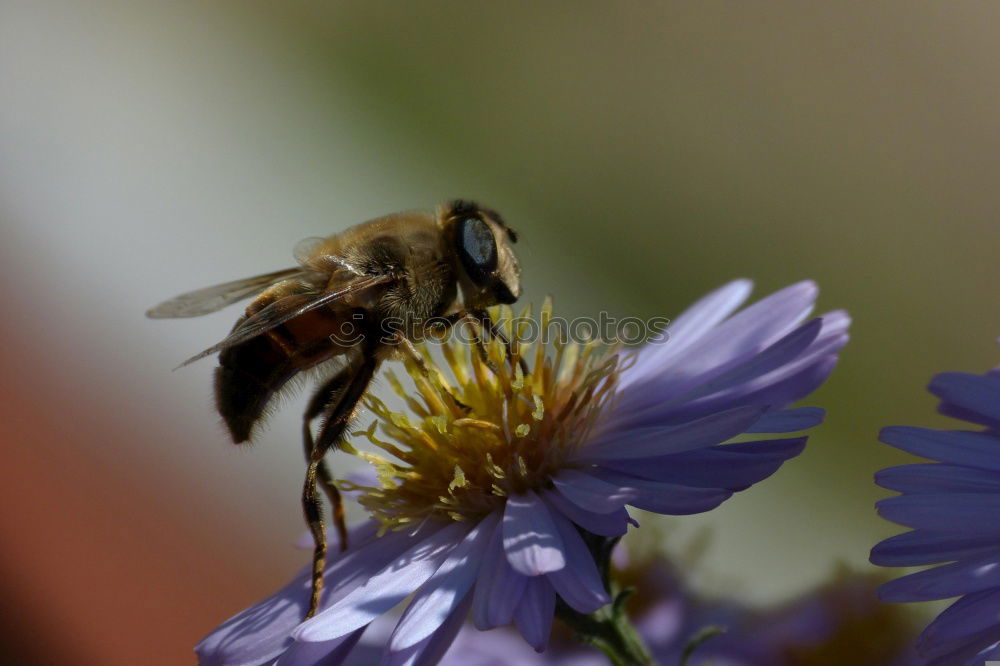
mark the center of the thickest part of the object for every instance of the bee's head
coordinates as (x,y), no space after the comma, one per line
(487,265)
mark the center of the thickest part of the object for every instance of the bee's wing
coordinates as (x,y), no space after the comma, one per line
(286,308)
(203,301)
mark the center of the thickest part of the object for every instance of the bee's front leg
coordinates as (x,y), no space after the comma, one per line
(482,317)
(406,346)
(477,339)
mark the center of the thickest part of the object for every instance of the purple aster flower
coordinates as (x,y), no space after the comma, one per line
(951,506)
(840,622)
(491,488)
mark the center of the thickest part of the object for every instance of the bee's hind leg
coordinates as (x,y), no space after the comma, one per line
(326,395)
(338,414)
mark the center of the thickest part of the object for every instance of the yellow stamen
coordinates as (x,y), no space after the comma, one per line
(508,432)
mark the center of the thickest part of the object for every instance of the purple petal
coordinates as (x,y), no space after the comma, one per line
(667,498)
(950,580)
(534,614)
(578,583)
(354,567)
(776,390)
(258,633)
(329,653)
(991,651)
(919,547)
(961,623)
(938,477)
(978,394)
(441,594)
(498,587)
(967,654)
(707,312)
(529,537)
(690,326)
(605,524)
(589,493)
(789,420)
(729,466)
(775,364)
(656,441)
(440,641)
(835,323)
(959,513)
(963,414)
(952,446)
(385,589)
(262,631)
(794,382)
(742,335)
(493,648)
(964,653)
(783,352)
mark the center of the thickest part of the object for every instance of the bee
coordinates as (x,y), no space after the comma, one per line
(356,298)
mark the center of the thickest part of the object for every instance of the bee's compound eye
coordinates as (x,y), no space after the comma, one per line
(477,249)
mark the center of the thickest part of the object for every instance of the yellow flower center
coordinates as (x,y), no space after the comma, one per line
(483,430)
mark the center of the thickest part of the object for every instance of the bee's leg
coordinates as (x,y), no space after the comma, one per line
(477,340)
(326,395)
(406,345)
(338,415)
(484,320)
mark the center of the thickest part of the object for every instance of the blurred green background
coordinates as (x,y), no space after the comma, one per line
(647,152)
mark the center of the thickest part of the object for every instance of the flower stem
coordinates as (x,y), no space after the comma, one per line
(695,641)
(608,629)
